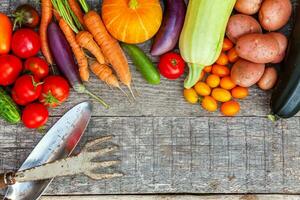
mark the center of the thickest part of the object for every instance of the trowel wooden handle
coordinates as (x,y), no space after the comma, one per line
(6,179)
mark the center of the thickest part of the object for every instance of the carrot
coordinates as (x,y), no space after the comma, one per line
(85,40)
(78,52)
(104,73)
(110,47)
(75,7)
(46,7)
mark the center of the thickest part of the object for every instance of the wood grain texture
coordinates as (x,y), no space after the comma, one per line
(181,155)
(179,197)
(169,146)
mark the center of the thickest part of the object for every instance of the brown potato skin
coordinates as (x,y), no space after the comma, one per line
(283,42)
(257,48)
(248,7)
(269,79)
(274,14)
(245,73)
(240,24)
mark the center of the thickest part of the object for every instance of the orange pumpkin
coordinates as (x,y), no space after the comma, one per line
(132,21)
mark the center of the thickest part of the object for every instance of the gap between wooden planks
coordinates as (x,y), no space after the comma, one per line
(175,197)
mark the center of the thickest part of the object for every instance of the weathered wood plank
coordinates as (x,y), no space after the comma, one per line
(179,197)
(181,155)
(174,197)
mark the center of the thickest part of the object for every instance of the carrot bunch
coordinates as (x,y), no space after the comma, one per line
(96,40)
(215,85)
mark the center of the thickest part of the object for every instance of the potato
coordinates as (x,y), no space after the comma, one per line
(268,80)
(239,25)
(274,14)
(257,48)
(245,73)
(283,42)
(248,7)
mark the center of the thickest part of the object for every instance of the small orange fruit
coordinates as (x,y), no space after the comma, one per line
(209,104)
(239,92)
(201,75)
(213,81)
(190,95)
(202,89)
(207,69)
(227,44)
(230,108)
(220,70)
(223,59)
(226,83)
(232,55)
(221,95)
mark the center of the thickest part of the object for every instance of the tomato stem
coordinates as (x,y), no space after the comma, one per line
(174,62)
(49,99)
(35,84)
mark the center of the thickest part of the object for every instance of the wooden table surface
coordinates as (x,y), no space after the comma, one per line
(169,146)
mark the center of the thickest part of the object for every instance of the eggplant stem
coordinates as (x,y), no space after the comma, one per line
(86,91)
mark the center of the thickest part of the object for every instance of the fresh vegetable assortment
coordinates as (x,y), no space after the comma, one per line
(226,52)
(252,58)
(26,90)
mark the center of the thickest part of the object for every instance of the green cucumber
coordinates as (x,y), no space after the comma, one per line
(8,109)
(143,63)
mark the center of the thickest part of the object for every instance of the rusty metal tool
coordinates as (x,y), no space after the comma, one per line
(84,163)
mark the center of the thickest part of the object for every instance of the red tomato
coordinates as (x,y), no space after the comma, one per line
(55,91)
(26,90)
(25,43)
(37,66)
(10,68)
(171,65)
(35,115)
(5,34)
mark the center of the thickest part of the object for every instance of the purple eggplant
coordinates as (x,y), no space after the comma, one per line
(64,59)
(169,32)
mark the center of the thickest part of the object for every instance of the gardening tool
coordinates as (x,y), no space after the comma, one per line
(84,163)
(58,143)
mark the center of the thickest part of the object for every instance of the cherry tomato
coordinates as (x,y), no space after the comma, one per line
(25,43)
(10,68)
(209,104)
(5,34)
(55,91)
(37,66)
(35,115)
(26,90)
(230,108)
(26,15)
(227,44)
(191,95)
(171,65)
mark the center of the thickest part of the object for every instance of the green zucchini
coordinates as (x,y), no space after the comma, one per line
(285,101)
(8,109)
(143,63)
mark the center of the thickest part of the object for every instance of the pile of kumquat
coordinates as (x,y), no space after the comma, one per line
(216,87)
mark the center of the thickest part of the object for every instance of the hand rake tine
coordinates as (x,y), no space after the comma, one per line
(96,142)
(106,150)
(96,176)
(103,164)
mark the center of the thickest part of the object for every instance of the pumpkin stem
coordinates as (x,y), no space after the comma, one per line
(133,4)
